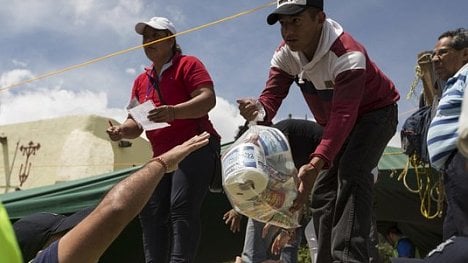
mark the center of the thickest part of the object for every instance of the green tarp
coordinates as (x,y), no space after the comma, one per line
(393,204)
(62,198)
(218,244)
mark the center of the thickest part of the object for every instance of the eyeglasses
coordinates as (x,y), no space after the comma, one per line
(440,53)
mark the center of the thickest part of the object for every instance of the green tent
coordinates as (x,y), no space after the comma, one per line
(218,244)
(393,204)
(396,201)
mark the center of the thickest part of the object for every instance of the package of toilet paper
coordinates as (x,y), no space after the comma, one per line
(259,176)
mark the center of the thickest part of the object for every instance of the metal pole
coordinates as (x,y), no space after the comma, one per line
(6,162)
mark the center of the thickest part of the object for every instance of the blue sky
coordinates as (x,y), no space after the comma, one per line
(44,36)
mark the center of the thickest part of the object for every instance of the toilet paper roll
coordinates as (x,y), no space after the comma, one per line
(246,184)
(244,155)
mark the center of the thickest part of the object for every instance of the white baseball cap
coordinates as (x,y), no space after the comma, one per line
(161,23)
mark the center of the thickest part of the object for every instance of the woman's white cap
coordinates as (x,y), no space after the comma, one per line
(160,23)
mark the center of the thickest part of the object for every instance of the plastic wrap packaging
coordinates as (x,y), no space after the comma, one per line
(259,176)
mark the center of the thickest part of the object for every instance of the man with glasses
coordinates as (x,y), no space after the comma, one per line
(450,59)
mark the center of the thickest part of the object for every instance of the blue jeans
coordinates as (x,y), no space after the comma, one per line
(456,191)
(258,249)
(342,198)
(170,220)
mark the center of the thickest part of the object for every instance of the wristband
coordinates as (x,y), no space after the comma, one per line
(162,163)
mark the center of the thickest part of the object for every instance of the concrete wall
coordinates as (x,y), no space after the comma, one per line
(71,147)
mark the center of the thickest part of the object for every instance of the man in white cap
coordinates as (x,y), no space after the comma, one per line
(354,102)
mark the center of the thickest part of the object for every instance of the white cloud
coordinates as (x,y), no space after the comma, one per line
(52,103)
(14,76)
(131,71)
(56,102)
(19,63)
(226,119)
(120,16)
(76,17)
(82,9)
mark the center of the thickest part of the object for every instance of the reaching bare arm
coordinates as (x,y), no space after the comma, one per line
(89,239)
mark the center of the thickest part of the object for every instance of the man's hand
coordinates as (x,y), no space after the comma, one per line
(281,240)
(178,153)
(233,219)
(307,175)
(248,109)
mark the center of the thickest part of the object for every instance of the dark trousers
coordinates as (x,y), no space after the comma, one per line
(170,220)
(342,197)
(303,137)
(456,190)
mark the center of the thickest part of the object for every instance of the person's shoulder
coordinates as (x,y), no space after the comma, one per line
(281,46)
(345,43)
(144,73)
(141,76)
(284,58)
(463,71)
(189,62)
(404,241)
(284,51)
(187,59)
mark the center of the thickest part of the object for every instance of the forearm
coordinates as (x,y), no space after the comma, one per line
(202,101)
(127,199)
(130,129)
(88,241)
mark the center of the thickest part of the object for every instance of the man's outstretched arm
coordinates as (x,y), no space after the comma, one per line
(88,240)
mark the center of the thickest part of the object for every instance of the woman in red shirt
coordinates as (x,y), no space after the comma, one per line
(183,94)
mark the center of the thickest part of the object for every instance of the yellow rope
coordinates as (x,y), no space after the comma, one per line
(416,80)
(427,190)
(92,61)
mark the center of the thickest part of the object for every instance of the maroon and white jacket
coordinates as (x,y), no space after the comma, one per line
(339,84)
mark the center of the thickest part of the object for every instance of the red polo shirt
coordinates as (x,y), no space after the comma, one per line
(179,78)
